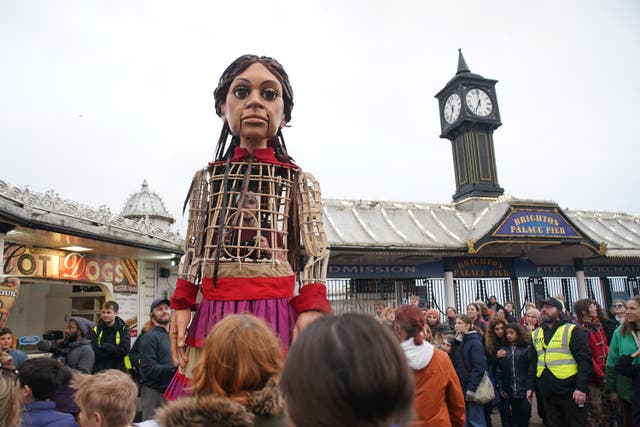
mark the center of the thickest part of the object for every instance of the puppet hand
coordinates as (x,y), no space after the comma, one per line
(304,319)
(178,332)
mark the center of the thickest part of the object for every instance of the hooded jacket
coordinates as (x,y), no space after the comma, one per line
(469,361)
(439,400)
(110,355)
(78,357)
(266,409)
(78,354)
(599,346)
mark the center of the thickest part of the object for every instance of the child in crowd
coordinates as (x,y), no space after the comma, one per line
(447,343)
(235,382)
(106,399)
(347,370)
(6,346)
(511,377)
(39,379)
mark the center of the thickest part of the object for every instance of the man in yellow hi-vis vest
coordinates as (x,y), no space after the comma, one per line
(111,341)
(560,364)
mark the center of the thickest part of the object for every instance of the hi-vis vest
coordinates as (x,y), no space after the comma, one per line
(127,361)
(555,356)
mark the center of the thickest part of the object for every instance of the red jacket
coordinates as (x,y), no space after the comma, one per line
(599,350)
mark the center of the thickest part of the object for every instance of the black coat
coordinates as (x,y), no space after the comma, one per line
(156,365)
(548,385)
(110,355)
(512,370)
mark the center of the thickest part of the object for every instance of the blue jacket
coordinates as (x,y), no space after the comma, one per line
(43,413)
(470,362)
(18,356)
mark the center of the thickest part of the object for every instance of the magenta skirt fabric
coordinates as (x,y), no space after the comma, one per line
(276,312)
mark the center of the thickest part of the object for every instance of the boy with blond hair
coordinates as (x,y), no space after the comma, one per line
(106,399)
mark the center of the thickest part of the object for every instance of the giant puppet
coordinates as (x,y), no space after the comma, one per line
(249,210)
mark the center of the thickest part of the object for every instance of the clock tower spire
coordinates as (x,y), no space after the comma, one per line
(468,116)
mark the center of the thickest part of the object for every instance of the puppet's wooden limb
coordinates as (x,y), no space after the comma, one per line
(314,237)
(197,201)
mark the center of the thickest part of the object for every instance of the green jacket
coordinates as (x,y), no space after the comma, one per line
(620,344)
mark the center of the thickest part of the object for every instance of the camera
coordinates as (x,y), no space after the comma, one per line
(53,335)
(49,343)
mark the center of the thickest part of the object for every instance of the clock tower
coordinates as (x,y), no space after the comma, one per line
(468,116)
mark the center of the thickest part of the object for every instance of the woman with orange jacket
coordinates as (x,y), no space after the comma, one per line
(439,400)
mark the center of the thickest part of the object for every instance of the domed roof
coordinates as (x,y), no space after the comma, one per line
(147,204)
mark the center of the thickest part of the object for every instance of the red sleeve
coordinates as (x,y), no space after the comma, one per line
(312,297)
(184,296)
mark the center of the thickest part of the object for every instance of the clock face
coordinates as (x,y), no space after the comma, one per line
(451,110)
(479,102)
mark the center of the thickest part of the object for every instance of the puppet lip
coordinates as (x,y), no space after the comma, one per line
(254,117)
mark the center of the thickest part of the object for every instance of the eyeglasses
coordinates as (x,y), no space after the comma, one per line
(619,306)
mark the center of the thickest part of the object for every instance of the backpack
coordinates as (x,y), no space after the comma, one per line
(134,358)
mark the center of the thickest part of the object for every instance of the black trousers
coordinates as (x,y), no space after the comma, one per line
(562,411)
(515,412)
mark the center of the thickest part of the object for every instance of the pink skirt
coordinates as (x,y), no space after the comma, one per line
(276,312)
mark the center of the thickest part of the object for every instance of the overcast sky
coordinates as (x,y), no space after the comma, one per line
(97,96)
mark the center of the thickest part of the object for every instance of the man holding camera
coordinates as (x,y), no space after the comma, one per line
(76,347)
(76,353)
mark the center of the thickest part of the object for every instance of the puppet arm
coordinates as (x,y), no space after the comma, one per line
(184,297)
(313,294)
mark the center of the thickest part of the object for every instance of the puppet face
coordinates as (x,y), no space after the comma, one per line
(254,108)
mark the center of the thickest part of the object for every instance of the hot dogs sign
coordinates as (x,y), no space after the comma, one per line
(23,261)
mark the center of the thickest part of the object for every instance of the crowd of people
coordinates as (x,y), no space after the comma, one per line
(425,371)
(578,365)
(255,354)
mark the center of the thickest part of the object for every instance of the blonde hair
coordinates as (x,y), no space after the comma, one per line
(386,311)
(239,356)
(9,402)
(111,393)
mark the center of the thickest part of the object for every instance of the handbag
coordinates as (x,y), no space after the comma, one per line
(485,392)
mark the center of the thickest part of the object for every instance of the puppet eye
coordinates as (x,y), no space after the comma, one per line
(270,94)
(241,92)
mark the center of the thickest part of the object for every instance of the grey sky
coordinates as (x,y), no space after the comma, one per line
(97,96)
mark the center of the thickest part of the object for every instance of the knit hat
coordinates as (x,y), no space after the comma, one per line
(84,325)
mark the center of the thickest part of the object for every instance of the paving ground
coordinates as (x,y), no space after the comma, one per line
(535,420)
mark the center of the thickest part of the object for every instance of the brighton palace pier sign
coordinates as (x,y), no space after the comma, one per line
(535,223)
